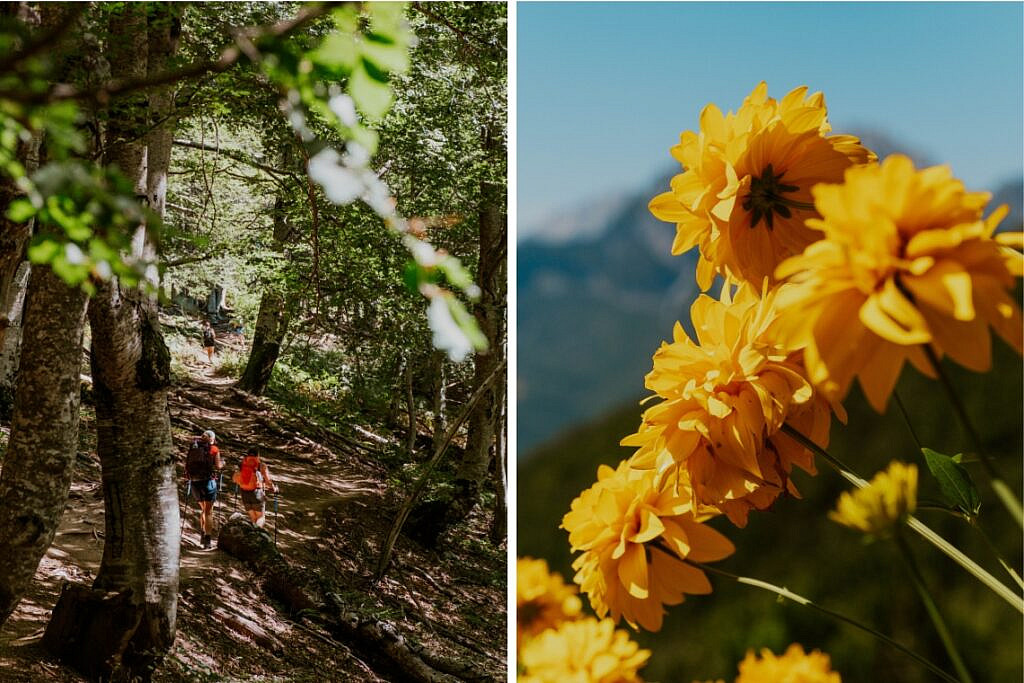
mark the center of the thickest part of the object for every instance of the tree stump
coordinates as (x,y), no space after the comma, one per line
(90,630)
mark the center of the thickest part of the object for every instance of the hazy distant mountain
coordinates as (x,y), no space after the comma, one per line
(575,223)
(1011,193)
(592,311)
(598,295)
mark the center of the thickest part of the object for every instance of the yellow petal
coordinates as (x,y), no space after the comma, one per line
(650,527)
(905,327)
(707,545)
(633,571)
(947,287)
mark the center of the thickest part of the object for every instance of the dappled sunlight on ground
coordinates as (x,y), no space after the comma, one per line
(334,510)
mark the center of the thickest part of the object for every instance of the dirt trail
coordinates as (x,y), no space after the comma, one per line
(311,478)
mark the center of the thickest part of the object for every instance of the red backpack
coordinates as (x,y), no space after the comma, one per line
(249,477)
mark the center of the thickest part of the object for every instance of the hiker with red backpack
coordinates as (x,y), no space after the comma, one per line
(202,467)
(253,478)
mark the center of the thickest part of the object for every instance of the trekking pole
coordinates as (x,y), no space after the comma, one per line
(277,496)
(184,514)
(220,487)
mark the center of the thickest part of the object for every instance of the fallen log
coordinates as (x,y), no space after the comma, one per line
(249,629)
(295,589)
(351,625)
(200,400)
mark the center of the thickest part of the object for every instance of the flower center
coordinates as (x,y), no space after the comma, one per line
(765,198)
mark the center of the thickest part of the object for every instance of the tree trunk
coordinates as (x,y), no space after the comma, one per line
(12,323)
(37,469)
(499,522)
(489,313)
(271,321)
(131,374)
(13,236)
(440,395)
(36,475)
(410,405)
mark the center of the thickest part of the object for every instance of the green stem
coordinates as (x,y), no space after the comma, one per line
(800,600)
(973,521)
(933,609)
(1003,492)
(906,419)
(938,541)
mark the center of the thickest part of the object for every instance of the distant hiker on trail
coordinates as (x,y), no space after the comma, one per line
(202,465)
(209,340)
(253,478)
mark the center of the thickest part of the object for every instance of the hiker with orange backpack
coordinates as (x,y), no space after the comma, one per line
(253,478)
(202,467)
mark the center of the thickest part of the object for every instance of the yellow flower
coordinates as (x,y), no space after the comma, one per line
(746,187)
(583,651)
(724,401)
(906,259)
(793,667)
(886,501)
(635,529)
(543,599)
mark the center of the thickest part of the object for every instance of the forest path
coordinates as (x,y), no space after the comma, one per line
(314,469)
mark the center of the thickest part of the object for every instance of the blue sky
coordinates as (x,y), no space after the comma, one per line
(604,89)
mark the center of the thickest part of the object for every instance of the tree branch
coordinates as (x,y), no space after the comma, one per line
(231,55)
(236,155)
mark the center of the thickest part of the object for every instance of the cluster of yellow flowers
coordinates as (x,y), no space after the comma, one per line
(836,266)
(557,644)
(796,666)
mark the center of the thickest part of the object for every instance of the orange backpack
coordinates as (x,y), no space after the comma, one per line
(249,477)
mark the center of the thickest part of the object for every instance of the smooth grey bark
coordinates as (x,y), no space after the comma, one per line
(37,469)
(271,321)
(131,376)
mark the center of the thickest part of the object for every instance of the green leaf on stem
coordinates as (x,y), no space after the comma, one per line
(954,481)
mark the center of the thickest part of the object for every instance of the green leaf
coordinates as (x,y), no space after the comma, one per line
(370,95)
(386,56)
(20,210)
(70,273)
(455,273)
(338,53)
(386,17)
(411,276)
(954,481)
(43,250)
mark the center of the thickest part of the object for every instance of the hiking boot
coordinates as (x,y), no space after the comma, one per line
(206,540)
